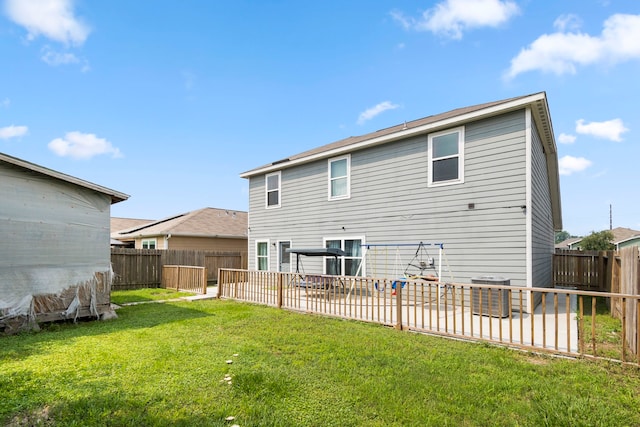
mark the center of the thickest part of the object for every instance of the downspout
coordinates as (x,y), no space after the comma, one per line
(528,211)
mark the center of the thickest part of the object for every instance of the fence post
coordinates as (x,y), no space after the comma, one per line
(605,270)
(280,290)
(398,305)
(221,280)
(204,281)
(608,284)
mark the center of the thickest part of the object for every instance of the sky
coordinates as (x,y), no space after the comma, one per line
(169,102)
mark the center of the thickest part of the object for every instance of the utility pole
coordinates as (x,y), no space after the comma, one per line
(610,218)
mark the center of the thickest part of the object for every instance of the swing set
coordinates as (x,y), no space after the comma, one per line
(421,265)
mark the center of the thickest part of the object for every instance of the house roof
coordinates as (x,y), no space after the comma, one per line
(620,235)
(206,222)
(537,102)
(566,244)
(119,224)
(116,196)
(636,237)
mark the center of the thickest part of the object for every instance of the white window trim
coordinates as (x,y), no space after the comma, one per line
(334,159)
(266,190)
(279,260)
(460,178)
(341,259)
(154,240)
(268,254)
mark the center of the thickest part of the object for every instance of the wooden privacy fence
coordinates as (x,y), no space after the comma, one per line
(142,268)
(184,278)
(628,283)
(565,322)
(585,270)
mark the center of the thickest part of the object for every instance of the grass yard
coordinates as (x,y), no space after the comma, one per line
(608,331)
(146,295)
(167,364)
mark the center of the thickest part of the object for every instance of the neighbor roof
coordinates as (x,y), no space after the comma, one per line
(622,234)
(566,244)
(206,222)
(540,112)
(119,224)
(116,196)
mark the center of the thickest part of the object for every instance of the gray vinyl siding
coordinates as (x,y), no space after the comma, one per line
(391,203)
(542,223)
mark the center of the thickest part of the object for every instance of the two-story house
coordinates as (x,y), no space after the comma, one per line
(480,180)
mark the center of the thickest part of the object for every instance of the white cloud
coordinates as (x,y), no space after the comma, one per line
(55,59)
(565,138)
(570,164)
(561,52)
(405,22)
(451,18)
(610,129)
(13,131)
(53,19)
(82,146)
(567,22)
(370,113)
(600,174)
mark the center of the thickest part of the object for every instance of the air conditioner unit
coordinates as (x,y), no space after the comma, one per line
(494,303)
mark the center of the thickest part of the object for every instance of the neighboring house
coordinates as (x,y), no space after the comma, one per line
(569,244)
(482,180)
(204,229)
(625,237)
(622,238)
(627,241)
(120,224)
(55,259)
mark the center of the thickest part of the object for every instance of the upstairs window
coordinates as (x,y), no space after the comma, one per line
(446,157)
(339,180)
(273,190)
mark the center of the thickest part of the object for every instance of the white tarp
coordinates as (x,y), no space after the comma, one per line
(54,236)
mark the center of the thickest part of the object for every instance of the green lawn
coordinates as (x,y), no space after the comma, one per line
(608,331)
(166,364)
(145,295)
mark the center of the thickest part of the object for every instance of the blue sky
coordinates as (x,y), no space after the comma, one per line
(170,101)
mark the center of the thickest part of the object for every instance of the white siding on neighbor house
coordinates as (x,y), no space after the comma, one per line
(391,203)
(542,232)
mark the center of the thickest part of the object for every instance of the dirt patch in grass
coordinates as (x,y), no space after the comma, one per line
(39,417)
(537,359)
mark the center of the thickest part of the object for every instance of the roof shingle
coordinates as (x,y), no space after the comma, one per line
(206,222)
